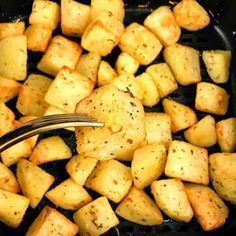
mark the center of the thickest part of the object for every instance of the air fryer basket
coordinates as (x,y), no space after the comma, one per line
(221,34)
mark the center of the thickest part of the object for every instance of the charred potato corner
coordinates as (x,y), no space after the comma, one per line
(162,155)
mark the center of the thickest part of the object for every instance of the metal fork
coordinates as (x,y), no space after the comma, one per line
(43,124)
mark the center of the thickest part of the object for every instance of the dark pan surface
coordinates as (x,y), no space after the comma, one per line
(221,34)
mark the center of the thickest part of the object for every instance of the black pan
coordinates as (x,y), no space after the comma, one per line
(221,34)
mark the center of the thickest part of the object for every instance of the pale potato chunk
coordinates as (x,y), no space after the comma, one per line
(148,164)
(50,149)
(80,167)
(203,133)
(211,98)
(190,15)
(158,128)
(187,162)
(140,43)
(12,208)
(60,52)
(111,179)
(34,181)
(162,23)
(184,63)
(6,119)
(181,116)
(96,218)
(75,16)
(11,29)
(150,93)
(52,222)
(67,89)
(223,175)
(13,60)
(217,64)
(210,211)
(31,96)
(163,78)
(139,208)
(226,134)
(172,199)
(9,89)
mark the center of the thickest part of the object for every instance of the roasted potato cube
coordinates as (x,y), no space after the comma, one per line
(96,218)
(217,63)
(126,64)
(52,222)
(7,118)
(187,162)
(88,65)
(80,167)
(50,149)
(140,43)
(13,60)
(184,63)
(102,34)
(211,98)
(162,23)
(45,13)
(31,96)
(105,74)
(210,211)
(203,133)
(139,208)
(111,179)
(67,89)
(75,16)
(61,52)
(116,7)
(226,134)
(34,181)
(163,78)
(38,37)
(150,93)
(8,180)
(12,208)
(11,29)
(158,128)
(172,199)
(181,116)
(9,89)
(223,176)
(145,170)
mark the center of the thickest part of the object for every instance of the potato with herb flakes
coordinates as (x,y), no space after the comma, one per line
(11,29)
(124,124)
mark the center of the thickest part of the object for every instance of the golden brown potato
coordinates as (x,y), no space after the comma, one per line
(172,199)
(210,211)
(190,15)
(96,218)
(184,63)
(124,127)
(223,176)
(139,208)
(52,222)
(187,162)
(211,98)
(11,29)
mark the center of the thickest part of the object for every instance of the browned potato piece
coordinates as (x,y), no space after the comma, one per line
(190,15)
(96,218)
(223,176)
(181,116)
(11,29)
(111,179)
(139,208)
(162,23)
(226,134)
(187,162)
(210,211)
(211,98)
(124,127)
(52,222)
